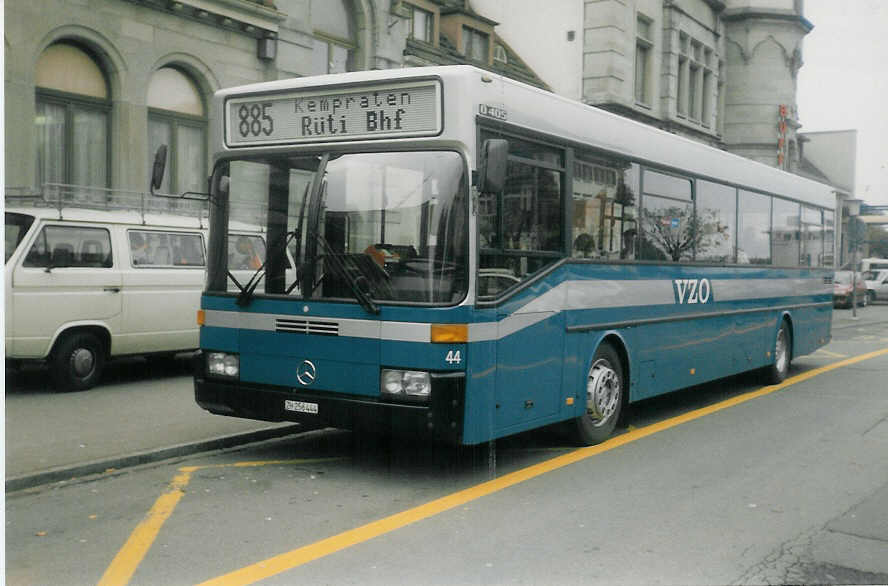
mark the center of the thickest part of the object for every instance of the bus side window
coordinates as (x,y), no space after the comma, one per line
(667,222)
(604,213)
(522,229)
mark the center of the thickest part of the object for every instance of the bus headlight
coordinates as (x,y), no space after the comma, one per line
(410,383)
(223,364)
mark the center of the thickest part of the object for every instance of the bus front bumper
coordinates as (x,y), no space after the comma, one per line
(441,418)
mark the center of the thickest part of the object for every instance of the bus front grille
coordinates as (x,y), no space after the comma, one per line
(304,326)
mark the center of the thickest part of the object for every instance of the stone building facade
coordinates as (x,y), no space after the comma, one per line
(92,87)
(722,72)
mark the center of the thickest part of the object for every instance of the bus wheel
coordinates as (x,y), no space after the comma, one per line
(77,362)
(604,398)
(776,373)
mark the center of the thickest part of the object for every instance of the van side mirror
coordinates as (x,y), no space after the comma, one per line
(159,167)
(492,165)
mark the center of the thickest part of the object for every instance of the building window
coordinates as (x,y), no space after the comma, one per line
(697,85)
(73,108)
(475,44)
(643,49)
(693,92)
(177,118)
(682,97)
(499,54)
(334,43)
(422,24)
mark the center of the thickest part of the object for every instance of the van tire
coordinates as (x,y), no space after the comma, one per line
(77,362)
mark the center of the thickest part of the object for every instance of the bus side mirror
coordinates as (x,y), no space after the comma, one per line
(159,168)
(492,165)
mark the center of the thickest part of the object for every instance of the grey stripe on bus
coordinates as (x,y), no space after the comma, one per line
(600,294)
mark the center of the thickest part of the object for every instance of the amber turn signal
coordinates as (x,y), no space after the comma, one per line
(450,333)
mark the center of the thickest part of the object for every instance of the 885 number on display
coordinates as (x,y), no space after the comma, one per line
(254,120)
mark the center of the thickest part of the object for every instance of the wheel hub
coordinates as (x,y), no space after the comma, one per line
(780,351)
(82,362)
(602,391)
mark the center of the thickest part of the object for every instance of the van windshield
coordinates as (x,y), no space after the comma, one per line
(16,227)
(386,227)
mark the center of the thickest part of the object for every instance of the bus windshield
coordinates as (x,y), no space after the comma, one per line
(371,227)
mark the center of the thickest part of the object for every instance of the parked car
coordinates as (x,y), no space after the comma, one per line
(842,283)
(876,285)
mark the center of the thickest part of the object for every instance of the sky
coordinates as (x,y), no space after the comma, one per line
(843,83)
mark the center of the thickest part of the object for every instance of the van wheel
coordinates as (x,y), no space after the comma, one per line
(604,398)
(776,373)
(77,362)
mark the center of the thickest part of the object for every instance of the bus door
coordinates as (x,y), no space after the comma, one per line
(530,347)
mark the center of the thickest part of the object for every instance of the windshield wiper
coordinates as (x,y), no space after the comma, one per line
(246,294)
(336,264)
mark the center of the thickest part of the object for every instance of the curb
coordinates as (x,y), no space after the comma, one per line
(70,472)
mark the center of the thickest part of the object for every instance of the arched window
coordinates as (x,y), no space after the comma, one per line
(334,31)
(73,108)
(177,118)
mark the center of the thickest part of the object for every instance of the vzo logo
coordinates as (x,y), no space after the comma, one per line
(691,291)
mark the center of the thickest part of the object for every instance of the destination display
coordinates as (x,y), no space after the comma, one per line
(382,111)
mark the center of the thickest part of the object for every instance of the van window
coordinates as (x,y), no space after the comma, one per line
(68,246)
(153,248)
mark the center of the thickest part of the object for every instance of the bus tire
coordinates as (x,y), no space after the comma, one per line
(779,369)
(603,395)
(77,362)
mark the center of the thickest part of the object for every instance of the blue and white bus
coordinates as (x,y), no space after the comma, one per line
(477,257)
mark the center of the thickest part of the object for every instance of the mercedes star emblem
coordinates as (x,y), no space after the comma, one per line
(306,373)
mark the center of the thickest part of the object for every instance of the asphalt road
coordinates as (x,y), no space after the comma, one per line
(788,487)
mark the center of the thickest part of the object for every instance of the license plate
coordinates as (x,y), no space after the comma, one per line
(301,407)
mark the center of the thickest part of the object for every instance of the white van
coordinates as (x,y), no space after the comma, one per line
(84,285)
(876,285)
(873,264)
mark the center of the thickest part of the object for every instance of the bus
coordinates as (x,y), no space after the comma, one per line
(476,257)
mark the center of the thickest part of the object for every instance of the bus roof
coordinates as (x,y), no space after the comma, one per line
(469,92)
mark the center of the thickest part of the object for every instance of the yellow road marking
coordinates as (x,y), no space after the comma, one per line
(124,564)
(130,555)
(346,539)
